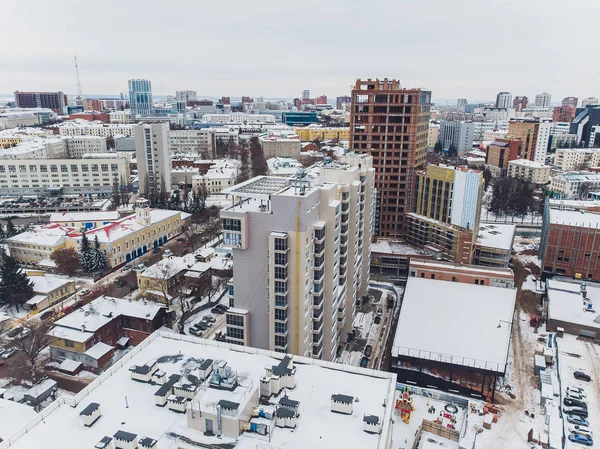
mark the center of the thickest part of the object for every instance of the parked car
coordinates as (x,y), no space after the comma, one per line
(47,314)
(8,353)
(119,282)
(210,318)
(200,325)
(364,362)
(84,292)
(368,350)
(194,331)
(139,267)
(579,411)
(581,430)
(574,419)
(379,312)
(569,402)
(206,322)
(575,390)
(168,252)
(581,439)
(14,332)
(575,395)
(377,320)
(222,306)
(580,375)
(156,250)
(24,333)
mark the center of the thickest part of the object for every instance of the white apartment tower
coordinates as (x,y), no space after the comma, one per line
(542,100)
(153,157)
(504,100)
(301,248)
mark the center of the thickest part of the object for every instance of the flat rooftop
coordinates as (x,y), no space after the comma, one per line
(565,302)
(259,187)
(176,354)
(455,323)
(578,218)
(393,247)
(497,236)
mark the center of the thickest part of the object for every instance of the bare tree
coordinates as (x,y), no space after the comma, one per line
(182,304)
(165,279)
(190,232)
(33,344)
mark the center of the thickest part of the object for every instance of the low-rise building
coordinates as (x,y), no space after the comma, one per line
(128,238)
(530,171)
(218,177)
(78,146)
(85,128)
(474,351)
(48,290)
(277,146)
(433,134)
(192,141)
(84,220)
(458,272)
(91,334)
(33,246)
(571,307)
(313,132)
(36,148)
(576,158)
(500,152)
(494,245)
(569,185)
(282,166)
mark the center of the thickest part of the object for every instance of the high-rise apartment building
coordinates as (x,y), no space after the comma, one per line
(140,97)
(306,94)
(534,133)
(340,101)
(391,123)
(301,248)
(447,211)
(458,135)
(542,100)
(520,103)
(153,156)
(57,101)
(589,101)
(570,101)
(461,104)
(186,95)
(504,100)
(322,99)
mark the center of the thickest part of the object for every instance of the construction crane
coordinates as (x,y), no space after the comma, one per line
(79,98)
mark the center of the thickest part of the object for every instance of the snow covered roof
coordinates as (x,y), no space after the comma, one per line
(84,216)
(47,283)
(98,350)
(565,302)
(103,310)
(169,267)
(177,354)
(69,365)
(121,228)
(41,387)
(36,300)
(391,247)
(499,236)
(574,218)
(51,234)
(455,323)
(14,416)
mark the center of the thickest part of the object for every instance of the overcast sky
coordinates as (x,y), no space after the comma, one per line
(460,48)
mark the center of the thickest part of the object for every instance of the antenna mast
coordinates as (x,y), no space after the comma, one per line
(79,98)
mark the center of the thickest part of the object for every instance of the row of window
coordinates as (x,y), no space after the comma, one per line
(63,168)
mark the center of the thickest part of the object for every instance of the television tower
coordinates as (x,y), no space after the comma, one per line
(79,98)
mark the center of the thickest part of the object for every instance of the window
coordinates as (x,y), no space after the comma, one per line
(232,239)
(64,168)
(281,314)
(235,320)
(233,332)
(54,168)
(104,167)
(280,340)
(280,258)
(114,167)
(74,168)
(230,224)
(84,167)
(280,300)
(94,167)
(280,328)
(12,169)
(22,168)
(280,287)
(280,273)
(69,343)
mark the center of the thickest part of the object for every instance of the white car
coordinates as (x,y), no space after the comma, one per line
(8,352)
(140,267)
(581,430)
(572,394)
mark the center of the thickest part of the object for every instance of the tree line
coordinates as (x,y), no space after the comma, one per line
(514,198)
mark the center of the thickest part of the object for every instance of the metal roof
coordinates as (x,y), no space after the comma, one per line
(342,398)
(283,412)
(228,404)
(147,442)
(91,408)
(260,186)
(371,419)
(287,402)
(125,436)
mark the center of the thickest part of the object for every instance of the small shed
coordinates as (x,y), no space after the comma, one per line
(371,424)
(177,403)
(125,440)
(228,408)
(123,342)
(539,363)
(286,417)
(187,390)
(70,367)
(145,372)
(147,443)
(159,377)
(289,403)
(91,414)
(40,392)
(340,403)
(206,368)
(105,443)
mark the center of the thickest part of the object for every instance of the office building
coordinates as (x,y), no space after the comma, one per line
(584,122)
(57,101)
(504,100)
(299,118)
(433,134)
(461,104)
(218,177)
(391,123)
(494,245)
(341,101)
(37,244)
(186,96)
(78,146)
(140,97)
(153,156)
(281,146)
(447,211)
(192,141)
(534,133)
(306,94)
(520,103)
(458,135)
(570,101)
(542,100)
(530,171)
(18,117)
(564,113)
(568,185)
(310,133)
(36,148)
(570,244)
(566,159)
(85,128)
(500,152)
(589,101)
(301,250)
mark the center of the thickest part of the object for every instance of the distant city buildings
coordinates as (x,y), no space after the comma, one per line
(457,135)
(583,124)
(565,113)
(186,95)
(57,101)
(589,101)
(140,97)
(341,101)
(543,100)
(461,104)
(520,103)
(504,100)
(529,171)
(570,101)
(534,133)
(306,94)
(390,123)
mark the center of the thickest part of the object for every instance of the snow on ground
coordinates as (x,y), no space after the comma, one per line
(13,417)
(579,355)
(350,358)
(531,284)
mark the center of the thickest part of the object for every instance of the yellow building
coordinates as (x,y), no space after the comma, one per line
(309,134)
(31,247)
(129,238)
(48,289)
(85,220)
(9,141)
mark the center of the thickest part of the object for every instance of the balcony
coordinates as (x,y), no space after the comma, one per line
(345,207)
(318,338)
(317,325)
(318,313)
(318,262)
(282,332)
(317,351)
(318,300)
(344,240)
(318,275)
(319,235)
(319,248)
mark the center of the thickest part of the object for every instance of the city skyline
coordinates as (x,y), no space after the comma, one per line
(188,53)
